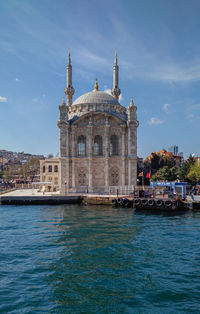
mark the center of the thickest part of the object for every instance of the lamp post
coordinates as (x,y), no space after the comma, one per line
(65,186)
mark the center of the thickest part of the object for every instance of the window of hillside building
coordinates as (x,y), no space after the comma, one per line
(56,181)
(114,145)
(50,179)
(81,145)
(55,168)
(98,150)
(50,168)
(43,168)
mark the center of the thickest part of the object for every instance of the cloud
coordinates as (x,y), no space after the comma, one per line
(155,121)
(35,99)
(166,107)
(17,79)
(3,99)
(86,58)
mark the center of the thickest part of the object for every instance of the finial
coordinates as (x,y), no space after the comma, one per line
(115,56)
(131,103)
(96,87)
(63,102)
(69,58)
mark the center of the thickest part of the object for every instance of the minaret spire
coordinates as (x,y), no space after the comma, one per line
(115,57)
(115,90)
(69,58)
(69,90)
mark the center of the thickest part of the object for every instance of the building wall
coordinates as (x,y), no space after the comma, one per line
(48,176)
(98,173)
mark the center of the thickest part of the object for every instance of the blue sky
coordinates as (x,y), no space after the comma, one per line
(158,54)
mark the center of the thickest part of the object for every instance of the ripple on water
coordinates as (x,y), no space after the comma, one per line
(74,259)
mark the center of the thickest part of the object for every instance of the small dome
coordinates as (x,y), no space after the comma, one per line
(96,97)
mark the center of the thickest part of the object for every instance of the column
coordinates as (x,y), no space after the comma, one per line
(123,157)
(129,156)
(89,149)
(107,152)
(73,157)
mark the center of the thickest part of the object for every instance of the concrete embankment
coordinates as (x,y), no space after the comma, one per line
(39,200)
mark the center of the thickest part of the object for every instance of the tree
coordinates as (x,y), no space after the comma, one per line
(194,173)
(185,169)
(165,173)
(159,159)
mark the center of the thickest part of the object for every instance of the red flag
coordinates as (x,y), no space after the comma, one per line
(148,175)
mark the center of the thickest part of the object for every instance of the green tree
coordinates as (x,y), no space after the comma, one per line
(185,169)
(194,173)
(158,160)
(165,173)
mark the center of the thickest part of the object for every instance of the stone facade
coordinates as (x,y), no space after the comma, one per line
(98,140)
(50,174)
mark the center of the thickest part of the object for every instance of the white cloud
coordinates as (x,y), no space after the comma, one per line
(166,107)
(155,121)
(17,79)
(3,99)
(87,58)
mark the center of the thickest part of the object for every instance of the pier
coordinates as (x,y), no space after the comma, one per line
(32,197)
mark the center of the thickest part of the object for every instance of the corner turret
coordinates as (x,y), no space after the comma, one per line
(132,111)
(63,114)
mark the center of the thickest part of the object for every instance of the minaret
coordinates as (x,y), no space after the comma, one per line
(69,90)
(115,90)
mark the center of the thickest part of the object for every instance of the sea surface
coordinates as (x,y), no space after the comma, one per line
(98,259)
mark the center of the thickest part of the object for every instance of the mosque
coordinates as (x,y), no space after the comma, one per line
(98,141)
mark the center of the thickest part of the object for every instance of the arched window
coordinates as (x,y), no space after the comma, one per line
(114,145)
(98,150)
(81,145)
(43,168)
(50,168)
(55,168)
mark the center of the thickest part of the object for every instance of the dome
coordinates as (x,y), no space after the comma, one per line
(96,97)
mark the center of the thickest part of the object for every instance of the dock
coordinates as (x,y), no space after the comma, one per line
(32,197)
(35,197)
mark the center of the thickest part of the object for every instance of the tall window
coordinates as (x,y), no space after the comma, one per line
(50,168)
(98,151)
(55,168)
(114,145)
(81,145)
(43,168)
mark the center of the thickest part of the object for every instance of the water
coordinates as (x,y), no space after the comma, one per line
(78,259)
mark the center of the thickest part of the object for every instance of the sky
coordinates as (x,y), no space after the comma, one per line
(158,47)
